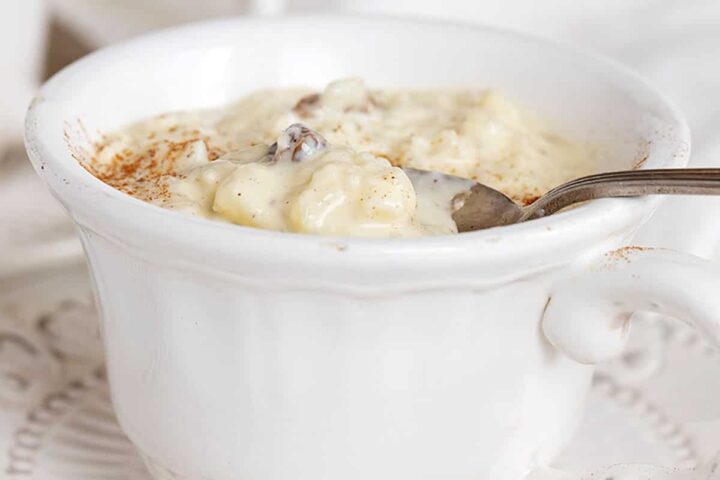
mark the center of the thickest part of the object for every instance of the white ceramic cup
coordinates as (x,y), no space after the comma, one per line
(236,353)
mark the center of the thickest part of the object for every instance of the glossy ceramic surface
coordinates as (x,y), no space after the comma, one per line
(321,358)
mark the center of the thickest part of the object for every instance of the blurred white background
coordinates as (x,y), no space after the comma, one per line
(674,43)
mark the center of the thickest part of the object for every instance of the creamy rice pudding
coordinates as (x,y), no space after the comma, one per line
(327,162)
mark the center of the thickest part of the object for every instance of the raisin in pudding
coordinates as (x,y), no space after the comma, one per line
(328,162)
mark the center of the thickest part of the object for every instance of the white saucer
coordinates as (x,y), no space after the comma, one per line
(658,405)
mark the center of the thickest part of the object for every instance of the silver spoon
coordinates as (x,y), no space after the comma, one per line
(480,206)
(476,206)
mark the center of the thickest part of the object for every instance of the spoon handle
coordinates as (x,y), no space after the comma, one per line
(628,183)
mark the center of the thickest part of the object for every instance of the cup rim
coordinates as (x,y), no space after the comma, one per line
(86,196)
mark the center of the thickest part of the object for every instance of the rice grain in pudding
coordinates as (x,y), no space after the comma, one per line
(326,162)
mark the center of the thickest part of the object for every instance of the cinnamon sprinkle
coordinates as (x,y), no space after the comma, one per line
(139,168)
(529,199)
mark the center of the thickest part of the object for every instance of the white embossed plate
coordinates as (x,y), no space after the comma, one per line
(659,404)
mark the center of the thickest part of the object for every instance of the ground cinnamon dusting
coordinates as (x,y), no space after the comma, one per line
(304,106)
(529,199)
(623,254)
(138,170)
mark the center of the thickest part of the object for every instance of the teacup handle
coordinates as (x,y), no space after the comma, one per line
(588,315)
(588,319)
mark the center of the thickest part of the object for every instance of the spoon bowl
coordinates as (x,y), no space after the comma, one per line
(476,206)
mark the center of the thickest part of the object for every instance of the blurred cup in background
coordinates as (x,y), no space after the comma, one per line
(22,40)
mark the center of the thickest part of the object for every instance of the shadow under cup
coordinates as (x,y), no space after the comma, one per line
(236,353)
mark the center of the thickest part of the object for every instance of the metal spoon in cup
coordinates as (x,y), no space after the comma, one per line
(478,206)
